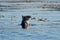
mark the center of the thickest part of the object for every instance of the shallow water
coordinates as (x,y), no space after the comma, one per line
(39,30)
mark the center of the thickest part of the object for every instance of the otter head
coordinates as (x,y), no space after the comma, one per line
(26,17)
(25,21)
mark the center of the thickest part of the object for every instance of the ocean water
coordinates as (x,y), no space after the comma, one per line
(10,20)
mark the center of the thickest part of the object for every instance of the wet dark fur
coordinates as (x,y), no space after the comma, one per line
(24,23)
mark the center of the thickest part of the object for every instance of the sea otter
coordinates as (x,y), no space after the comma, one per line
(25,22)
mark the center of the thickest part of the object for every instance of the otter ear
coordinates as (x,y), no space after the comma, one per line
(22,16)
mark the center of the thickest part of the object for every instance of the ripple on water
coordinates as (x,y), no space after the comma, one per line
(4,37)
(50,38)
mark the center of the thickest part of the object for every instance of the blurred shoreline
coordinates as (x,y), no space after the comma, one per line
(30,1)
(22,6)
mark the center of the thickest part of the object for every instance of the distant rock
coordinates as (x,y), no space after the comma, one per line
(42,19)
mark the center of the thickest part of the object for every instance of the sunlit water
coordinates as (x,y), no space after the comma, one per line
(10,19)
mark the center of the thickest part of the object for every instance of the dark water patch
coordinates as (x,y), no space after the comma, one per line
(9,28)
(2,32)
(45,35)
(54,27)
(14,32)
(28,36)
(57,9)
(50,37)
(14,8)
(56,21)
(8,9)
(3,10)
(21,34)
(2,16)
(4,5)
